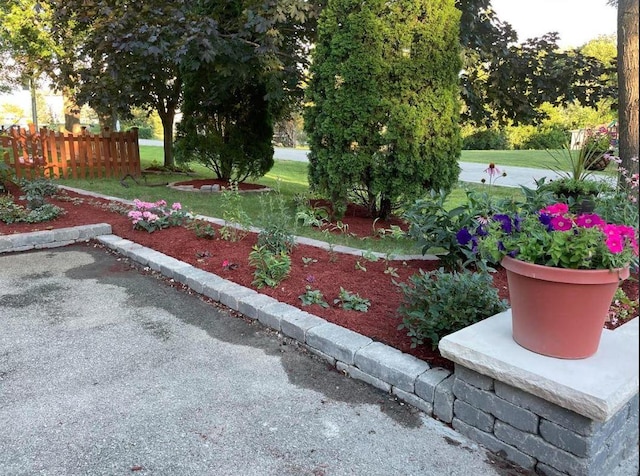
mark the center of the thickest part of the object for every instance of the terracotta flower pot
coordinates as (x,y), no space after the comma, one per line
(560,312)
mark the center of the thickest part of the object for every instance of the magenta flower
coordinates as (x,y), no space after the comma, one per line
(557,209)
(225,263)
(615,243)
(561,223)
(589,220)
(176,206)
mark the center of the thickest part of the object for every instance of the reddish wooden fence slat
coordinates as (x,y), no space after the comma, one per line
(58,154)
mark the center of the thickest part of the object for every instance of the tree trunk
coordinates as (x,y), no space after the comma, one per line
(167,116)
(71,111)
(628,85)
(385,207)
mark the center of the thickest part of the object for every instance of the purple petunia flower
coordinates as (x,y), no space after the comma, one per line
(505,222)
(463,236)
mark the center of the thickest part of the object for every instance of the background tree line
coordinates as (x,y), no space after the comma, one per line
(236,67)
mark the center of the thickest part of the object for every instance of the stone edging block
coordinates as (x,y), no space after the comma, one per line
(340,343)
(51,238)
(390,365)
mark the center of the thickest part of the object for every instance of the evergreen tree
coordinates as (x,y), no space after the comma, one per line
(384,106)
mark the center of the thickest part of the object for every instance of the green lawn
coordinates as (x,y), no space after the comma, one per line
(288,177)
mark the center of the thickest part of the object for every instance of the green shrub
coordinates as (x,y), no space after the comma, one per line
(35,191)
(437,303)
(435,228)
(276,239)
(270,268)
(485,139)
(548,138)
(11,212)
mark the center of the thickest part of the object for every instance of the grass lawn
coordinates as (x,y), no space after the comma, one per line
(288,177)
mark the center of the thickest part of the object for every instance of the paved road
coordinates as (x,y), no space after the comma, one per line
(470,172)
(106,371)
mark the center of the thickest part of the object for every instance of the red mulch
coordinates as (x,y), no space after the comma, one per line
(328,272)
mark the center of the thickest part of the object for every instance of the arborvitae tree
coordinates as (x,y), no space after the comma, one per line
(383,100)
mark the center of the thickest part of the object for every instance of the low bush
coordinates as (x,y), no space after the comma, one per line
(439,303)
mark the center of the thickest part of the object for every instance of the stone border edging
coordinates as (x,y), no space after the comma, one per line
(408,378)
(51,238)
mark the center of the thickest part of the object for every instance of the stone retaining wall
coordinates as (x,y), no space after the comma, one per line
(539,435)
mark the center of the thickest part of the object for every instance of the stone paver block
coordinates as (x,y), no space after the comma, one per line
(390,365)
(297,324)
(91,231)
(272,314)
(169,266)
(473,378)
(426,383)
(212,285)
(231,295)
(195,278)
(356,373)
(413,400)
(338,342)
(443,400)
(249,306)
(494,445)
(112,241)
(474,417)
(330,360)
(54,244)
(66,234)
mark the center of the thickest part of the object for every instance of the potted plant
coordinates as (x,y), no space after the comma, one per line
(562,271)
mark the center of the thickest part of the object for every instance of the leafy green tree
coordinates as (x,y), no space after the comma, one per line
(242,72)
(383,114)
(128,56)
(26,47)
(504,81)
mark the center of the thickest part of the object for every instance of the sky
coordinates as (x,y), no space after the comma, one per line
(576,21)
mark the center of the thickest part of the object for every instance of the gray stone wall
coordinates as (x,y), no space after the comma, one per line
(539,435)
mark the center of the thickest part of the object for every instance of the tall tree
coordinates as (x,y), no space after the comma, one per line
(243,70)
(129,57)
(383,113)
(25,44)
(504,81)
(628,84)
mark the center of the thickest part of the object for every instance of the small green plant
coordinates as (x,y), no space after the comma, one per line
(276,238)
(313,296)
(370,256)
(36,191)
(236,220)
(360,267)
(270,268)
(391,271)
(202,229)
(438,303)
(11,212)
(308,214)
(308,261)
(351,302)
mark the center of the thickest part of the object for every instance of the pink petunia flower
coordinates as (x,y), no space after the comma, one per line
(556,209)
(561,223)
(589,220)
(176,206)
(615,243)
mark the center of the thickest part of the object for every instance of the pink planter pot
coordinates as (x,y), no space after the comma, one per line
(560,312)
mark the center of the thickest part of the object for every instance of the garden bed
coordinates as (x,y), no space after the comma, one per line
(311,266)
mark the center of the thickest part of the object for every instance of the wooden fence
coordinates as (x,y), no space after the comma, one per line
(57,154)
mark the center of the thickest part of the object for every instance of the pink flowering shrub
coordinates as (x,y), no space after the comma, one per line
(156,216)
(555,237)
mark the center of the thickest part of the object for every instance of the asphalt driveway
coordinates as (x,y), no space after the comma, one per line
(107,370)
